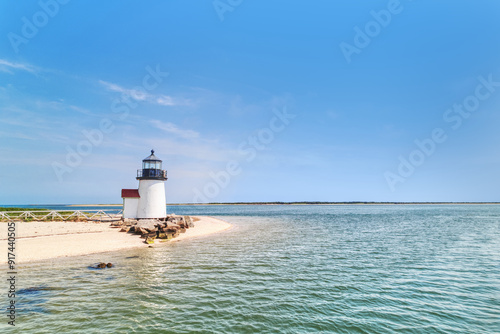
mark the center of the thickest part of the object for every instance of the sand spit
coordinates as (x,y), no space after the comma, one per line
(36,241)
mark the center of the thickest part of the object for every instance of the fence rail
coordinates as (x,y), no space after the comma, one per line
(61,215)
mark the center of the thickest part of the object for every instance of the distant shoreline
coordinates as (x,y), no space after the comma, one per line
(85,205)
(314,203)
(271,203)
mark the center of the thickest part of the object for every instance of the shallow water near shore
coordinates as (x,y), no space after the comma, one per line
(284,269)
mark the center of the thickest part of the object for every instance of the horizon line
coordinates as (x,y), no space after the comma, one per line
(278,203)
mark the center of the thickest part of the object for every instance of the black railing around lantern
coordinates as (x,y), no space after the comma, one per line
(152,174)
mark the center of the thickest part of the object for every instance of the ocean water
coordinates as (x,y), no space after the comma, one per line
(284,269)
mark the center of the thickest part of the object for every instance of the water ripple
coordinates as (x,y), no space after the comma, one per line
(351,269)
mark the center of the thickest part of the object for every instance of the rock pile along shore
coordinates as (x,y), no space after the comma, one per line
(150,229)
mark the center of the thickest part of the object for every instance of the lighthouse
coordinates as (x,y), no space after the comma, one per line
(149,200)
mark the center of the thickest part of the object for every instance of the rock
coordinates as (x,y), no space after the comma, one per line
(35,290)
(109,265)
(148,224)
(150,240)
(167,236)
(129,222)
(182,230)
(149,235)
(140,230)
(189,221)
(173,226)
(101,265)
(125,229)
(176,219)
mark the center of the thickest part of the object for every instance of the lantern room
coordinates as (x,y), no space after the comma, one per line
(151,169)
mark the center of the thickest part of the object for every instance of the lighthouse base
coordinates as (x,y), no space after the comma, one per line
(152,201)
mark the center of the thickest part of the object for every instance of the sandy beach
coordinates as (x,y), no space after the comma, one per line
(36,241)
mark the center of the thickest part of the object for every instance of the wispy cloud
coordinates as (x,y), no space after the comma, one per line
(142,95)
(16,135)
(9,67)
(136,94)
(165,100)
(30,121)
(174,130)
(61,105)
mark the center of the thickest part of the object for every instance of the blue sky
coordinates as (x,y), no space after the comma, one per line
(262,102)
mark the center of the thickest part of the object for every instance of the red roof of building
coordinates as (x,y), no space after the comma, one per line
(130,193)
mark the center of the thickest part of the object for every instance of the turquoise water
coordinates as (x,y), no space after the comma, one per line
(285,269)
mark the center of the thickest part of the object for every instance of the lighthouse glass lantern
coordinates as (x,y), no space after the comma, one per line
(149,201)
(151,169)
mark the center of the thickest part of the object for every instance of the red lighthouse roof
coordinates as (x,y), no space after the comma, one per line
(127,193)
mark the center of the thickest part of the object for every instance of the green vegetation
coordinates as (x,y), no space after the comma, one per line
(21,209)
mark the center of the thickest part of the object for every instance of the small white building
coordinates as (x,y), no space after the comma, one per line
(149,200)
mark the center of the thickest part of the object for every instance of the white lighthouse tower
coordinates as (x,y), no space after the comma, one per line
(149,200)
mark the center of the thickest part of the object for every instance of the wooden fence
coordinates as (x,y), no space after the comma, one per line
(61,215)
